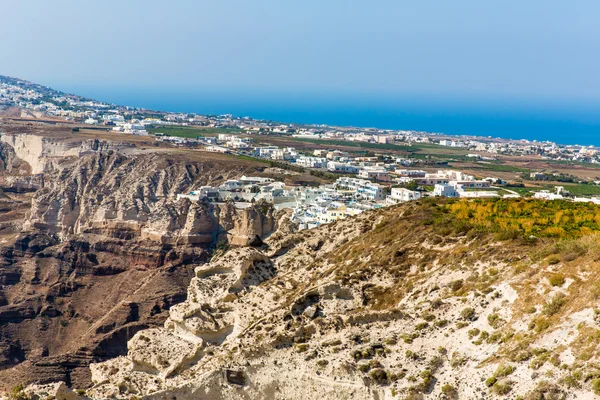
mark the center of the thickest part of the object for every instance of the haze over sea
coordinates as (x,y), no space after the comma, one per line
(564,122)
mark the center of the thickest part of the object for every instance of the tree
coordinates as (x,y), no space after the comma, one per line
(411,185)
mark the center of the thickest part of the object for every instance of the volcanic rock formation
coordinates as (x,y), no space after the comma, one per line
(94,246)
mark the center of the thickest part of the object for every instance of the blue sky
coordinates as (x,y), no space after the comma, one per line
(427,48)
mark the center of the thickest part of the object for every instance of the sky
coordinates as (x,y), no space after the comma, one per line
(429,49)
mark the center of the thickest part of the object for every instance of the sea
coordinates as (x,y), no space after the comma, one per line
(541,119)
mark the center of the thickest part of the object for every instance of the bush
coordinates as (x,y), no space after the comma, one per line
(494,320)
(450,391)
(456,285)
(301,347)
(222,245)
(428,379)
(16,393)
(503,387)
(435,363)
(468,314)
(546,391)
(554,305)
(596,386)
(379,375)
(364,367)
(473,332)
(504,370)
(489,382)
(421,325)
(552,260)
(556,280)
(457,360)
(440,323)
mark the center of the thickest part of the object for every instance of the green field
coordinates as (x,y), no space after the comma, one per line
(573,163)
(419,150)
(191,132)
(582,190)
(523,191)
(497,167)
(348,143)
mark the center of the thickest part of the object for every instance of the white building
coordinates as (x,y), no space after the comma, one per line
(255,180)
(217,149)
(411,173)
(311,162)
(362,188)
(374,174)
(285,154)
(340,167)
(445,190)
(401,195)
(546,195)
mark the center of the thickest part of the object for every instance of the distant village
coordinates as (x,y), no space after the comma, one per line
(364,182)
(30,96)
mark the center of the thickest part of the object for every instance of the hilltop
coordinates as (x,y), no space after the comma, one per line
(430,299)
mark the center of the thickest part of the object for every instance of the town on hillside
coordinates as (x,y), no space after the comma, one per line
(374,176)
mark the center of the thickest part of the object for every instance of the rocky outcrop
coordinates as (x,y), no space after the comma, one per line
(384,305)
(42,153)
(95,248)
(110,194)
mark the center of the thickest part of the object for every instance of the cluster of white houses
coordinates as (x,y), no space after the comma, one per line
(313,206)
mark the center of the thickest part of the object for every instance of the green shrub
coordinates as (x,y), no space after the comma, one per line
(489,382)
(457,360)
(427,316)
(301,347)
(379,375)
(450,391)
(468,314)
(502,387)
(16,393)
(322,363)
(440,323)
(494,320)
(546,390)
(456,285)
(553,260)
(504,370)
(421,325)
(554,305)
(596,386)
(556,280)
(473,332)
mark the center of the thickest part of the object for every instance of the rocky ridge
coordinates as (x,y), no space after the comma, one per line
(383,305)
(94,246)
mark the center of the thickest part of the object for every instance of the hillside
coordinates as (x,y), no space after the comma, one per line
(94,246)
(115,288)
(432,299)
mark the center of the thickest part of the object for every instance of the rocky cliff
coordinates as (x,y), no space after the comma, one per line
(41,152)
(94,247)
(415,301)
(111,194)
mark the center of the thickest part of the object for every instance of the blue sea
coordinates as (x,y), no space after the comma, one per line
(564,122)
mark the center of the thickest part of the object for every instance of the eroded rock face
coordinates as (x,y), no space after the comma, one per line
(95,248)
(42,153)
(373,307)
(212,337)
(109,194)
